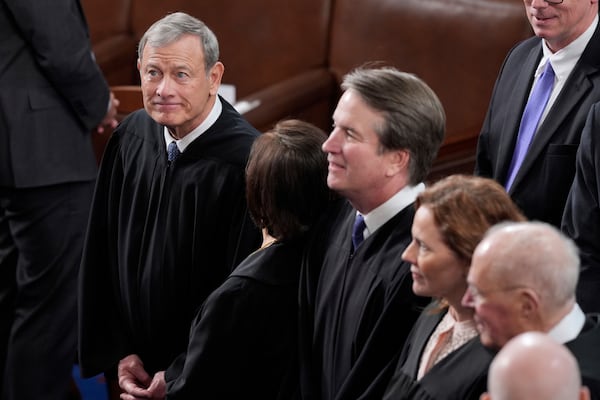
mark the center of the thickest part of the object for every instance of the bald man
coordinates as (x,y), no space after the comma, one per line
(523,278)
(533,366)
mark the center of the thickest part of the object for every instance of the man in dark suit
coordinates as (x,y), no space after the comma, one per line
(523,278)
(53,95)
(581,220)
(568,38)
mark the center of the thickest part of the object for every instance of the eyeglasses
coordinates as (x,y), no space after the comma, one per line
(551,2)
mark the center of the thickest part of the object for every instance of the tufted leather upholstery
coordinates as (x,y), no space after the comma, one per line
(291,56)
(112,39)
(456,46)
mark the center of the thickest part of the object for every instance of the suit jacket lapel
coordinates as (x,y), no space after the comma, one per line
(521,91)
(576,87)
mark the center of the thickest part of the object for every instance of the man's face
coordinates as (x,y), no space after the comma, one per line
(176,88)
(560,24)
(496,304)
(356,166)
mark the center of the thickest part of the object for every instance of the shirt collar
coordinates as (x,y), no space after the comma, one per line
(569,327)
(184,142)
(564,60)
(398,202)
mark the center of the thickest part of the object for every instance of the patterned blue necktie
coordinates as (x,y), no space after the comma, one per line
(358,231)
(530,120)
(172,151)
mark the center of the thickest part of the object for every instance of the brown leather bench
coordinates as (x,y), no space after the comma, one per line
(112,39)
(456,46)
(290,56)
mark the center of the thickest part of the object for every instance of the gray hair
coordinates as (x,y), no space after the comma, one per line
(414,117)
(172,27)
(536,255)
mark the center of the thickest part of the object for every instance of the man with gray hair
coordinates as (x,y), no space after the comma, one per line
(169,218)
(523,278)
(533,366)
(358,305)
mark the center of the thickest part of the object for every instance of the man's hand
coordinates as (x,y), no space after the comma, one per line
(156,391)
(110,120)
(133,378)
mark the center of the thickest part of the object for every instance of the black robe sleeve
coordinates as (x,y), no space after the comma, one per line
(357,308)
(243,342)
(161,237)
(98,305)
(461,375)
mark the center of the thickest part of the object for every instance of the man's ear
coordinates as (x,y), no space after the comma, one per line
(215,75)
(529,303)
(398,161)
(584,393)
(485,396)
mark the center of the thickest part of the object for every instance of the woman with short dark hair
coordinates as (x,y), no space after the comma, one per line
(243,341)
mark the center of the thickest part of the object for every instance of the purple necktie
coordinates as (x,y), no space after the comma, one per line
(530,120)
(172,151)
(358,231)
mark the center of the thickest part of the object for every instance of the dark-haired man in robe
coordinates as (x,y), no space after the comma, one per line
(357,301)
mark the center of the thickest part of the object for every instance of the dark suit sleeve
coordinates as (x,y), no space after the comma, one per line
(57,32)
(581,219)
(483,163)
(494,127)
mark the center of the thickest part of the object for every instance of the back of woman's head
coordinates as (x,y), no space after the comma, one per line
(286,179)
(465,207)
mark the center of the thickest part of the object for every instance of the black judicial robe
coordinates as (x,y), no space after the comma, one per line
(461,375)
(161,238)
(586,349)
(356,308)
(243,343)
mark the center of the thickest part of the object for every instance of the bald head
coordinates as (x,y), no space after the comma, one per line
(523,277)
(535,254)
(533,366)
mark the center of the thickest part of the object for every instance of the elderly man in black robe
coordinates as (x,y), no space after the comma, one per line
(523,278)
(169,219)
